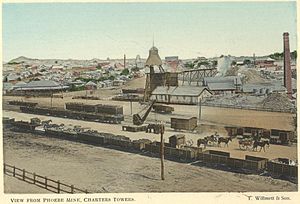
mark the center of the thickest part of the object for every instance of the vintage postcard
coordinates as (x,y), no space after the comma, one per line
(149,102)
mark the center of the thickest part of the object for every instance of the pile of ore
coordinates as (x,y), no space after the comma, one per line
(277,101)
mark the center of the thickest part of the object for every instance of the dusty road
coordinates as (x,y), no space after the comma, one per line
(104,170)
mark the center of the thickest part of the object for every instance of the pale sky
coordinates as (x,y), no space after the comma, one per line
(187,30)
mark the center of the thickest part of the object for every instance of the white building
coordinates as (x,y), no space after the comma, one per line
(180,94)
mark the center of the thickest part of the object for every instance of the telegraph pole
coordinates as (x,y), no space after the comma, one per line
(51,97)
(130,105)
(162,130)
(199,103)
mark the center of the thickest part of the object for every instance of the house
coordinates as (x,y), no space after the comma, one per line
(118,82)
(264,63)
(101,84)
(180,94)
(90,86)
(7,87)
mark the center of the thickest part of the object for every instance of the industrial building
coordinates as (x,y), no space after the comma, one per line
(223,85)
(40,88)
(180,94)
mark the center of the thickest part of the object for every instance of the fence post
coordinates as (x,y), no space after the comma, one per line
(58,186)
(14,171)
(72,189)
(23,174)
(46,185)
(34,178)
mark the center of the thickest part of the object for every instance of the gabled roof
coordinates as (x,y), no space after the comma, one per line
(90,83)
(227,79)
(221,86)
(165,90)
(179,90)
(188,91)
(41,85)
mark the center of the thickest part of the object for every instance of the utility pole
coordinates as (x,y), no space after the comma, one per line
(162,130)
(199,103)
(131,105)
(51,98)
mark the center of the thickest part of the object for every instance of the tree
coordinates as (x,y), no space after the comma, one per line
(125,72)
(111,77)
(233,63)
(98,66)
(247,62)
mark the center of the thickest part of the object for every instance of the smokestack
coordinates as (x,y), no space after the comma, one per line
(124,61)
(287,65)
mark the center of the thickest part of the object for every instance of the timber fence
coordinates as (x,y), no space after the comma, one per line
(55,186)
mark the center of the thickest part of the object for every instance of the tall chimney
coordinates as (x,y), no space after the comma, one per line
(287,65)
(124,61)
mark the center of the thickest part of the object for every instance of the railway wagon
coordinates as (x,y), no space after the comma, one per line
(250,163)
(281,169)
(22,103)
(95,117)
(61,134)
(109,109)
(88,137)
(175,153)
(212,156)
(260,163)
(159,108)
(189,123)
(282,137)
(24,125)
(74,106)
(8,121)
(140,144)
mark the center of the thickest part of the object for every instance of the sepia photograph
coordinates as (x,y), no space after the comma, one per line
(109,99)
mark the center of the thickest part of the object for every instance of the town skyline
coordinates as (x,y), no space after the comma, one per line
(187,30)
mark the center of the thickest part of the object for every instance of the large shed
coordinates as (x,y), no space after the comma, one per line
(180,94)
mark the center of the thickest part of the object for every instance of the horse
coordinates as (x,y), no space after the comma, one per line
(224,140)
(212,139)
(245,144)
(202,141)
(262,145)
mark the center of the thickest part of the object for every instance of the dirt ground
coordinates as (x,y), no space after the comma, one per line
(99,169)
(105,170)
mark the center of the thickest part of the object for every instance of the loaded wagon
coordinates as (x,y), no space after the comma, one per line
(280,167)
(189,123)
(177,140)
(22,103)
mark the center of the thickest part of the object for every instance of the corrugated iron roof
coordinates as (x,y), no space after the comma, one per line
(220,86)
(164,90)
(179,90)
